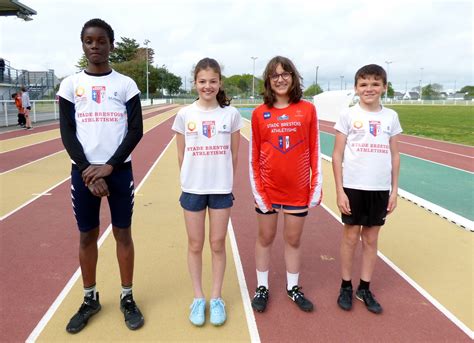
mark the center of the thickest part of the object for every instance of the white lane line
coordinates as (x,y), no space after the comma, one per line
(26,164)
(420,289)
(33,199)
(440,150)
(244,292)
(423,159)
(40,194)
(57,302)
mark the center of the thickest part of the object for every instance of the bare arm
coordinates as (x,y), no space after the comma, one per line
(392,201)
(234,148)
(181,144)
(337,156)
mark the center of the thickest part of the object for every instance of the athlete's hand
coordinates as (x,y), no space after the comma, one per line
(99,188)
(392,203)
(94,172)
(343,203)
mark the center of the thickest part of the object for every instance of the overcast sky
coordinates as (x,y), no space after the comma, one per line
(428,40)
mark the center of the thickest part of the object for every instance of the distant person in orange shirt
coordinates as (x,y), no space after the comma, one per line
(21,115)
(285,174)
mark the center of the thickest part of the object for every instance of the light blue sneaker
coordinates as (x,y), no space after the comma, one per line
(217,309)
(197,316)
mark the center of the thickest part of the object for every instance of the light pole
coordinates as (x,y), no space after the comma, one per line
(388,65)
(316,79)
(342,78)
(146,50)
(421,83)
(253,76)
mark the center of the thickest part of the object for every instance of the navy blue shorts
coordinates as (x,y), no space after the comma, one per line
(368,208)
(86,206)
(198,202)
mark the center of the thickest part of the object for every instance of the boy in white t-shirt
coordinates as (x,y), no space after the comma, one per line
(367,184)
(101,123)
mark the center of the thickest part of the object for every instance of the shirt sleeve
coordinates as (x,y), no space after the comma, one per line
(67,127)
(315,194)
(178,124)
(261,198)
(396,127)
(134,132)
(237,122)
(342,123)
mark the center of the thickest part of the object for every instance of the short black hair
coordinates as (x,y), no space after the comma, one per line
(13,95)
(98,23)
(371,70)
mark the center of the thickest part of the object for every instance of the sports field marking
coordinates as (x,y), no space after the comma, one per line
(440,150)
(62,295)
(33,199)
(16,143)
(35,161)
(244,291)
(415,285)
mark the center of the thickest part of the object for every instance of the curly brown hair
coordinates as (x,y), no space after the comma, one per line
(295,93)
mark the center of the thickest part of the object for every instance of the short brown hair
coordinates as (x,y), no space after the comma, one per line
(371,70)
(295,92)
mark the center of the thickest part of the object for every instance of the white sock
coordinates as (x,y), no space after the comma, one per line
(89,290)
(262,278)
(291,280)
(125,291)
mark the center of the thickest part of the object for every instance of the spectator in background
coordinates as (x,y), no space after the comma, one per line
(19,106)
(25,99)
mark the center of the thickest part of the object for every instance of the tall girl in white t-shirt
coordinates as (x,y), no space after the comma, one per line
(207,136)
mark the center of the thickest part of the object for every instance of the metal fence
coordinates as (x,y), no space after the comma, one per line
(46,110)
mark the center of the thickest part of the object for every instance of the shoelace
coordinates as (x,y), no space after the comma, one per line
(85,306)
(296,293)
(369,298)
(194,307)
(129,305)
(216,305)
(261,293)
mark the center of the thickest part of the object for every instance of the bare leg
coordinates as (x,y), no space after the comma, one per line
(125,254)
(218,220)
(195,227)
(292,235)
(350,238)
(267,227)
(370,237)
(88,255)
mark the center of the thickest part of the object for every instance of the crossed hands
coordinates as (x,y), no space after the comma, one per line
(93,177)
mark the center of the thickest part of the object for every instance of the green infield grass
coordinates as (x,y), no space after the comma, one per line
(447,123)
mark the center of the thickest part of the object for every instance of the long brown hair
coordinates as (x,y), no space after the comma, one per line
(210,63)
(295,93)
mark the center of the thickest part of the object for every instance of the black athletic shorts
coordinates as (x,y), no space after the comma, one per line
(369,208)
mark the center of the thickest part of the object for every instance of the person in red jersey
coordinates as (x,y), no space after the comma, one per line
(285,173)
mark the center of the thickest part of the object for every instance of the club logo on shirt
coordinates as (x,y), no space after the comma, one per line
(266,115)
(80,91)
(283,117)
(358,124)
(209,128)
(191,126)
(284,142)
(374,127)
(98,93)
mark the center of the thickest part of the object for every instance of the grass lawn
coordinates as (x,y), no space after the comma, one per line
(447,123)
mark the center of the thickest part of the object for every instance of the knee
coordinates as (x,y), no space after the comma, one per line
(87,240)
(123,237)
(217,246)
(293,241)
(351,238)
(265,239)
(195,246)
(369,240)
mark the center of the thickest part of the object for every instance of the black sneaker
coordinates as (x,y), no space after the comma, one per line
(345,298)
(259,301)
(367,297)
(133,317)
(88,308)
(298,297)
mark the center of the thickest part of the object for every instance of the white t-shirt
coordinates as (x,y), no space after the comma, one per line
(367,158)
(207,164)
(101,114)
